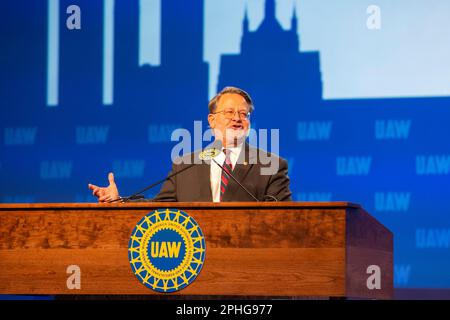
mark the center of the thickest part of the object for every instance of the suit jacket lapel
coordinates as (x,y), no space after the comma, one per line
(203,177)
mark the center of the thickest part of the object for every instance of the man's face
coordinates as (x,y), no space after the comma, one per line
(229,121)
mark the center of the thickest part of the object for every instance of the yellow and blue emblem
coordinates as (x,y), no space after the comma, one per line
(166,250)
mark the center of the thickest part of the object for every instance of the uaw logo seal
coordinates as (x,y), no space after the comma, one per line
(166,250)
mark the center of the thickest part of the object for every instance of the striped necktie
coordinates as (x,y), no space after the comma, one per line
(227,169)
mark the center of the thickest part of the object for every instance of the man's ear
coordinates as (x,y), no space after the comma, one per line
(211,121)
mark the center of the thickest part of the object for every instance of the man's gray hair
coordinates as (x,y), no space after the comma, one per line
(212,105)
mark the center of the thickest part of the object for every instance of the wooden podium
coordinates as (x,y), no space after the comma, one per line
(284,249)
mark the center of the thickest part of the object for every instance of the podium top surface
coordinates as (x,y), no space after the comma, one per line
(148,204)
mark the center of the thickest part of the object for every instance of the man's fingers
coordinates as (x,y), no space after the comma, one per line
(103,194)
(95,190)
(104,198)
(98,192)
(111,178)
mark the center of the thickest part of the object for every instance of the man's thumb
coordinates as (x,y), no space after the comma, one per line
(111,178)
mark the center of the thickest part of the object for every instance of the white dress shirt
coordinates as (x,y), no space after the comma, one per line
(216,171)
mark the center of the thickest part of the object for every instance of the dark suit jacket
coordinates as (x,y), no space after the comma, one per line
(194,183)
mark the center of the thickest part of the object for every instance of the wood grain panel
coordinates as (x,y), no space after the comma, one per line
(253,249)
(280,272)
(235,228)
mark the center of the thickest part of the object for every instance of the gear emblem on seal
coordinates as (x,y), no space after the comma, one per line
(166,250)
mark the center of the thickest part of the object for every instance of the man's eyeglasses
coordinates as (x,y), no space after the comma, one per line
(229,114)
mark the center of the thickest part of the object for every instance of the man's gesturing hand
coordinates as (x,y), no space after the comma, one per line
(105,194)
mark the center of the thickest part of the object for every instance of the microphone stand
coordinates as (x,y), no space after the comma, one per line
(138,195)
(235,180)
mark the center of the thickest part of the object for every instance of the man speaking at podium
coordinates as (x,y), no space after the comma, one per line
(234,171)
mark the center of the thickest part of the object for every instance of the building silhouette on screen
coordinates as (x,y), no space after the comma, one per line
(273,70)
(180,82)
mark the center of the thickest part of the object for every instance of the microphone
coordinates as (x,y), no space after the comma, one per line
(213,154)
(138,195)
(218,146)
(206,154)
(236,180)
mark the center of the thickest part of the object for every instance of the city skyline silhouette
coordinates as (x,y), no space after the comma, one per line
(389,154)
